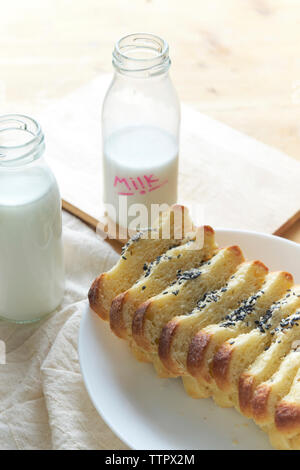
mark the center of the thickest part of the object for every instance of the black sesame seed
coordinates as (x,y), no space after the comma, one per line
(188,275)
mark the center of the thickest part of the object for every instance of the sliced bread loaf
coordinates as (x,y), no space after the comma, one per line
(158,275)
(182,296)
(268,394)
(176,335)
(238,352)
(281,335)
(286,433)
(142,248)
(207,341)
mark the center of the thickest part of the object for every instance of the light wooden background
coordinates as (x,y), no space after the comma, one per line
(236,60)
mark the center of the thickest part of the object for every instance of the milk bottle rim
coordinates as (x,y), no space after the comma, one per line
(21,140)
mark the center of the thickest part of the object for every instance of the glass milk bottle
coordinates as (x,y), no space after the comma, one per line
(31,254)
(140,125)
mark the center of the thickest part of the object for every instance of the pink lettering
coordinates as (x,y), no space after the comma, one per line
(137,185)
(159,186)
(122,180)
(150,179)
(141,182)
(134,183)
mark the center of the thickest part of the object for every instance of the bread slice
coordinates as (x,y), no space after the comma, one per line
(182,297)
(281,442)
(281,335)
(158,275)
(207,341)
(286,337)
(169,230)
(238,352)
(286,432)
(194,388)
(269,393)
(176,335)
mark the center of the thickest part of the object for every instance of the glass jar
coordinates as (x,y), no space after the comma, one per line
(31,253)
(140,126)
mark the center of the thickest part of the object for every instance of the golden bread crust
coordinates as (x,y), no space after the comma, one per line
(287,417)
(260,402)
(220,366)
(246,390)
(116,317)
(94,296)
(165,342)
(138,324)
(196,353)
(262,265)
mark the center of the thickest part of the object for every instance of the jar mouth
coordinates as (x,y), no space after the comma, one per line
(21,139)
(141,53)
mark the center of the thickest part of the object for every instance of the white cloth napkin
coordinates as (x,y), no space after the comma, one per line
(43,401)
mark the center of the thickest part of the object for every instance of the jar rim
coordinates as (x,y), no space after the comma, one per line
(158,63)
(27,151)
(16,118)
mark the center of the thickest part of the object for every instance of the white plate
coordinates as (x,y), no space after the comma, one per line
(151,413)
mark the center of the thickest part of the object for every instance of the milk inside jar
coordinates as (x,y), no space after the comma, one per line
(31,253)
(151,179)
(140,127)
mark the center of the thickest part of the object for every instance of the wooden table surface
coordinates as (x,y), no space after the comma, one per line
(236,60)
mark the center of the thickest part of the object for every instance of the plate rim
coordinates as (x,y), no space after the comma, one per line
(106,419)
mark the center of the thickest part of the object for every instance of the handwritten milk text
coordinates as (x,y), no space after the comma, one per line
(139,185)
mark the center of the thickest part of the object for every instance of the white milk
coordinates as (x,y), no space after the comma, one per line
(140,164)
(31,260)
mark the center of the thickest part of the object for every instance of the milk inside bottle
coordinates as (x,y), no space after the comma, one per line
(141,164)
